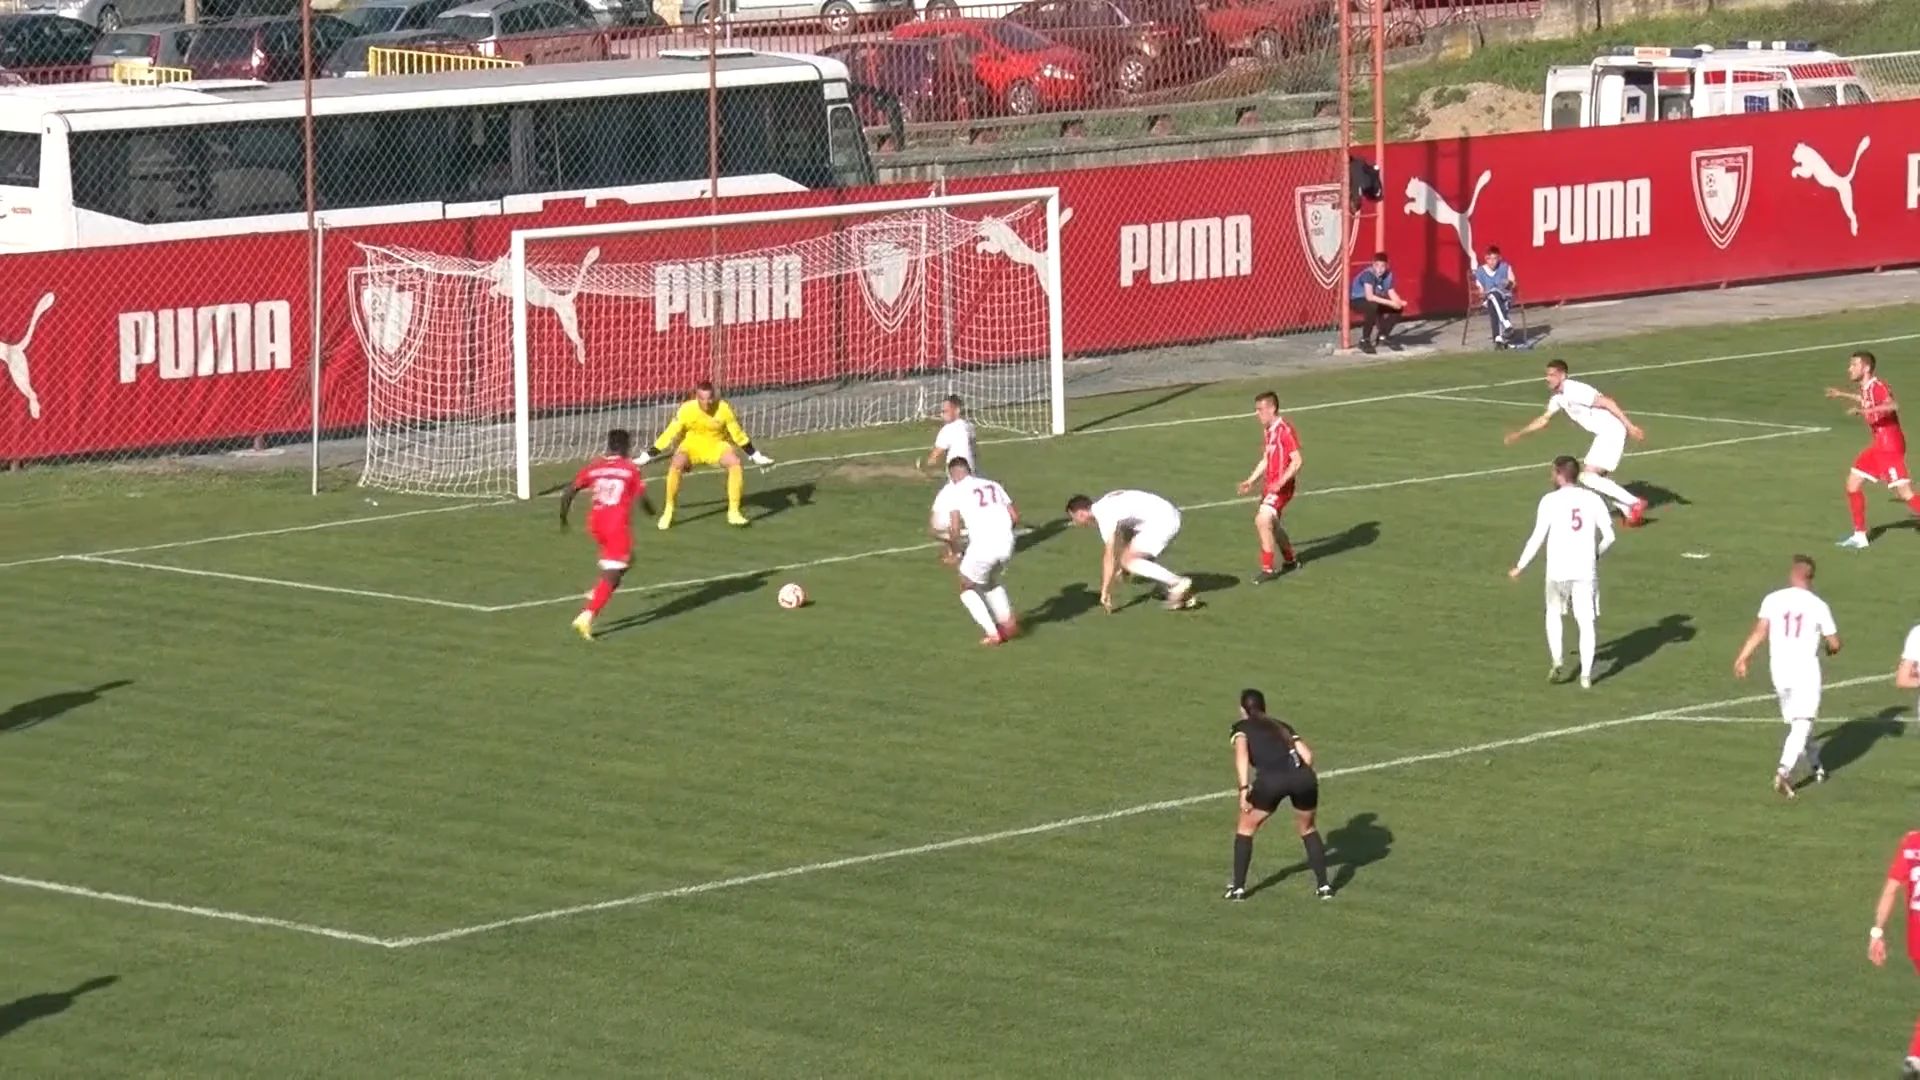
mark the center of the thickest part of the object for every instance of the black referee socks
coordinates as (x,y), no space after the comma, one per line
(1242,858)
(1316,856)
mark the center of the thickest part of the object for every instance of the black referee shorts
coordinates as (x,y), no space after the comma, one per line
(1298,786)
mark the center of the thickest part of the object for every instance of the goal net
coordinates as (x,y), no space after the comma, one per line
(807,320)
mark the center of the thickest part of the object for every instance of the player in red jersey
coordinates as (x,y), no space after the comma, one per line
(616,484)
(1885,462)
(1276,474)
(1903,874)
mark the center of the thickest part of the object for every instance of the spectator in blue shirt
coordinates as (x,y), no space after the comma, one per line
(1494,284)
(1375,300)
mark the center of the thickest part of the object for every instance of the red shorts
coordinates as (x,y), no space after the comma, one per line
(1882,465)
(1277,500)
(616,543)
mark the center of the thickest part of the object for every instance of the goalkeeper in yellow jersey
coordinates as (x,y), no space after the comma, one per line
(708,433)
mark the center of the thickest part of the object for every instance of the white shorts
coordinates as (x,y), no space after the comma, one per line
(1606,451)
(1799,700)
(1580,598)
(1153,537)
(983,560)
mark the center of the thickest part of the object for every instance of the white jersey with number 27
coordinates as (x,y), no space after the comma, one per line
(1574,524)
(1797,623)
(985,508)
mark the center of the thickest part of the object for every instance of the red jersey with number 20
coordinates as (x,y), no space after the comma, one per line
(614,482)
(1906,871)
(1281,443)
(1887,435)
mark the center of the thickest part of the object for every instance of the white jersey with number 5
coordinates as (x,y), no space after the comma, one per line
(1574,524)
(985,508)
(1579,402)
(956,440)
(1797,624)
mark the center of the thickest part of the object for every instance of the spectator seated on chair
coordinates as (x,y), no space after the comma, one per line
(1375,300)
(1494,285)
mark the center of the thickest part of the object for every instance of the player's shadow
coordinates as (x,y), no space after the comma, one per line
(1071,602)
(1040,534)
(1636,645)
(1855,739)
(1203,583)
(1361,842)
(1353,538)
(1878,530)
(711,592)
(764,503)
(1174,394)
(20,1012)
(42,709)
(1656,495)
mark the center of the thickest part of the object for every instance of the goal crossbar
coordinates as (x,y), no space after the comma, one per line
(522,408)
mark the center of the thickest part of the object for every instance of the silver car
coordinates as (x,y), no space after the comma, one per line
(107,15)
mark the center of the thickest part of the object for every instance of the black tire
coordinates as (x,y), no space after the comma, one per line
(1023,99)
(943,9)
(109,19)
(699,16)
(1131,76)
(1266,45)
(839,18)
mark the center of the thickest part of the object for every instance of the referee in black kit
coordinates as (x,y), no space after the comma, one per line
(1281,766)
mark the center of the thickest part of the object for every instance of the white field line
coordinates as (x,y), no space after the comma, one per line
(191,909)
(922,449)
(1728,719)
(1536,407)
(1410,481)
(307,586)
(1061,825)
(978,840)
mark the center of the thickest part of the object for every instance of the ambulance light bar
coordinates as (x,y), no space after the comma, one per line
(1654,52)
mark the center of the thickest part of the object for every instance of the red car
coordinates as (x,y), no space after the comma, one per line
(1270,29)
(1024,72)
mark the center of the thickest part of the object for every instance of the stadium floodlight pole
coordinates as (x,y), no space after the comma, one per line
(1342,177)
(1056,308)
(522,411)
(1380,114)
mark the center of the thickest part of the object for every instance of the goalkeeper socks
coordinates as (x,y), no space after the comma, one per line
(602,592)
(673,489)
(1316,857)
(1857,503)
(1242,859)
(736,486)
(977,607)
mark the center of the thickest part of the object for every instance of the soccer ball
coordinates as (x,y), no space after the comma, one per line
(792,596)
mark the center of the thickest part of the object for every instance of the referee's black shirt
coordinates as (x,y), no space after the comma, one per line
(1270,745)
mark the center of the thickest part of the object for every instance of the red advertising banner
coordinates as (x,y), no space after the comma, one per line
(170,345)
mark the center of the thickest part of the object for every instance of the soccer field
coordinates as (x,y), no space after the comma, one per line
(311,787)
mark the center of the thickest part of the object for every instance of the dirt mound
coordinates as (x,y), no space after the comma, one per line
(1476,109)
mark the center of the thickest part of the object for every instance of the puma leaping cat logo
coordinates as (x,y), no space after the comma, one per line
(14,355)
(1422,199)
(998,238)
(1809,165)
(539,295)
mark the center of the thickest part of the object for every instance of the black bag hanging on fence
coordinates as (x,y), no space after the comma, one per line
(1363,180)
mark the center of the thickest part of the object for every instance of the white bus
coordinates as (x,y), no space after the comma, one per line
(93,164)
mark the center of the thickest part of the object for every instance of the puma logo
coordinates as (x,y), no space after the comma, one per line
(14,356)
(998,238)
(540,295)
(1809,165)
(1423,199)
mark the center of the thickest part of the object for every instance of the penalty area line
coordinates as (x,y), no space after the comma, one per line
(216,914)
(1535,406)
(305,586)
(1062,824)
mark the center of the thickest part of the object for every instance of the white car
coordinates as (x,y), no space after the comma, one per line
(838,16)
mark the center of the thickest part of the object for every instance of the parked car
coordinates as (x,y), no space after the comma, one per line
(47,48)
(530,31)
(1146,43)
(262,47)
(103,15)
(837,16)
(931,75)
(1270,29)
(1023,71)
(350,59)
(385,16)
(156,46)
(224,10)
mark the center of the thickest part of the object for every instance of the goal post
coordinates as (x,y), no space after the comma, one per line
(809,320)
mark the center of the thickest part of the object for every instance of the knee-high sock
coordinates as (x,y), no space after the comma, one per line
(1587,643)
(736,486)
(1556,637)
(1857,506)
(1152,571)
(602,592)
(1242,859)
(976,606)
(999,605)
(1316,856)
(1796,744)
(673,488)
(1607,488)
(1913,1048)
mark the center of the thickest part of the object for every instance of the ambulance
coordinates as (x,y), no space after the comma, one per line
(1635,84)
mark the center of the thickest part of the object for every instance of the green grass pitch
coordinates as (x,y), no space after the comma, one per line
(341,754)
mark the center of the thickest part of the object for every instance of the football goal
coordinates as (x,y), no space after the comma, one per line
(808,320)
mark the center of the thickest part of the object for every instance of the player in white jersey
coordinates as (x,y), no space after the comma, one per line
(1601,417)
(1907,675)
(1795,624)
(1150,524)
(976,519)
(955,437)
(1574,525)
